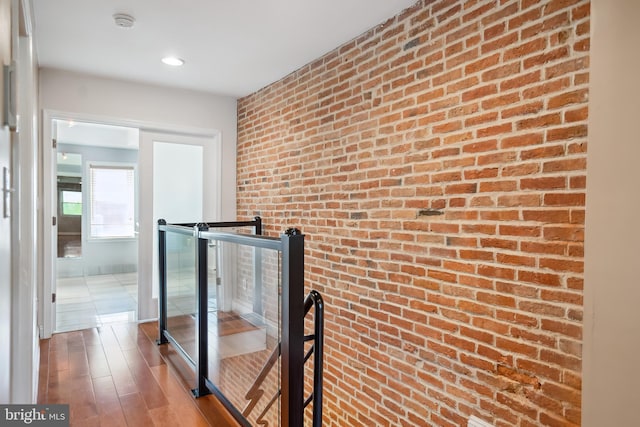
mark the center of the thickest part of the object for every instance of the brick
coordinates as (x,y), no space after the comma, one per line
(546,279)
(546,183)
(539,122)
(479,92)
(524,18)
(564,199)
(482,64)
(578,115)
(525,49)
(559,216)
(560,134)
(568,98)
(478,110)
(521,140)
(522,110)
(567,67)
(565,165)
(504,128)
(551,56)
(499,43)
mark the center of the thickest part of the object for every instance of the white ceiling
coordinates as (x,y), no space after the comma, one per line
(231,47)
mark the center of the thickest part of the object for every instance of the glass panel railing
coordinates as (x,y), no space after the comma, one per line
(244,331)
(182,291)
(234,305)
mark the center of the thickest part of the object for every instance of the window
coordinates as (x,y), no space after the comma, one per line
(112,201)
(71,202)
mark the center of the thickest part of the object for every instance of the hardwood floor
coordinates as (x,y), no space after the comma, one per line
(116,375)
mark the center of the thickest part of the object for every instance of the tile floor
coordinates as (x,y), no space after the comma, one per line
(92,301)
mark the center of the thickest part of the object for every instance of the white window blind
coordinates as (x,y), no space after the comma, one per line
(112,201)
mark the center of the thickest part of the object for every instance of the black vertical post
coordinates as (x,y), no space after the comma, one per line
(318,357)
(162,294)
(258,221)
(202,246)
(257,270)
(291,376)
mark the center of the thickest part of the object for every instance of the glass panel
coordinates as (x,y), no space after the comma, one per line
(178,182)
(244,331)
(182,291)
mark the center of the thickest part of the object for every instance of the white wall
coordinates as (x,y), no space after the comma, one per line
(80,93)
(611,350)
(25,339)
(19,350)
(6,251)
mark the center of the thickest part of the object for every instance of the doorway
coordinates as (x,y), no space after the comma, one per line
(96,211)
(149,135)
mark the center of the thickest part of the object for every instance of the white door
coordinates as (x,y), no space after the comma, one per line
(179,182)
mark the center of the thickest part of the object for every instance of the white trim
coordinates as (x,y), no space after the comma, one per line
(47,310)
(139,124)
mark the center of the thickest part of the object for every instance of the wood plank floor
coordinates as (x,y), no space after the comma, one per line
(116,375)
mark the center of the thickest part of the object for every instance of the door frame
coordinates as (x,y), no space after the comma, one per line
(147,307)
(210,206)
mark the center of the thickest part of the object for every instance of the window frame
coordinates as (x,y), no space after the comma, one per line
(111,165)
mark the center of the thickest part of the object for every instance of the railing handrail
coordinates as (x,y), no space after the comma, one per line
(257,241)
(187,227)
(264,242)
(257,222)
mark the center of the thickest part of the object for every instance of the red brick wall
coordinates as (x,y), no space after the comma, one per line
(477,110)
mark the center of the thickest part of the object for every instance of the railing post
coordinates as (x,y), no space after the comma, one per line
(257,271)
(292,346)
(162,294)
(258,226)
(202,246)
(318,357)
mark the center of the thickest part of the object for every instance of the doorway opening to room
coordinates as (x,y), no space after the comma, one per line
(97,225)
(105,268)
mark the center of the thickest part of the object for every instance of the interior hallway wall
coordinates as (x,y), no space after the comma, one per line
(84,94)
(437,166)
(612,291)
(168,108)
(6,250)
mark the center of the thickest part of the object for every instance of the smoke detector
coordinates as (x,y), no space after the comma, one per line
(123,20)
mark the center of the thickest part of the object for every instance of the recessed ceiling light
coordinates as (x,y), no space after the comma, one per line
(173,61)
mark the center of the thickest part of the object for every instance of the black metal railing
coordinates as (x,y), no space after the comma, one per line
(314,299)
(289,351)
(256,392)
